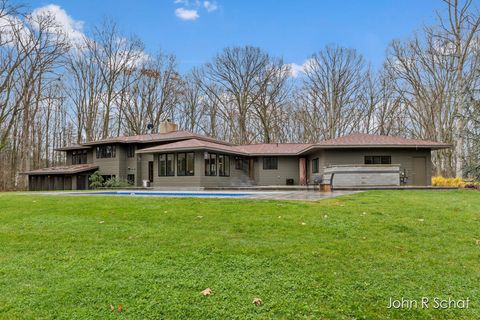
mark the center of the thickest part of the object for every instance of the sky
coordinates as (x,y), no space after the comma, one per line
(196,30)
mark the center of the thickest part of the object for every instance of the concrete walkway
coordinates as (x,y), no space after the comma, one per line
(298,195)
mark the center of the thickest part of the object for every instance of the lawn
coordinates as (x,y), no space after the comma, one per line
(75,257)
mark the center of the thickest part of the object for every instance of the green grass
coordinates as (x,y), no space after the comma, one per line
(341,258)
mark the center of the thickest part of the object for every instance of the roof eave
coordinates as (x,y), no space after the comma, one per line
(403,146)
(70,148)
(46,173)
(190,149)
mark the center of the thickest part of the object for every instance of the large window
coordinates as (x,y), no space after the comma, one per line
(107,151)
(130,151)
(378,160)
(166,162)
(270,163)
(79,157)
(131,179)
(315,165)
(186,164)
(210,164)
(223,165)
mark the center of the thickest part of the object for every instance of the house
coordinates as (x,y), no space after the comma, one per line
(182,159)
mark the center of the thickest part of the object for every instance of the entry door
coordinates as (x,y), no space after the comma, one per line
(250,169)
(420,171)
(150,171)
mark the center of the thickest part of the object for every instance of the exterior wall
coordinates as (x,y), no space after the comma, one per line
(174,181)
(363,175)
(402,157)
(288,168)
(199,180)
(111,166)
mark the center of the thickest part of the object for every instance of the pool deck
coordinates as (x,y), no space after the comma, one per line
(224,194)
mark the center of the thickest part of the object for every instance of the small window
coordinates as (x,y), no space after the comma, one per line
(378,160)
(270,163)
(238,163)
(223,165)
(130,151)
(131,179)
(108,177)
(107,151)
(165,165)
(315,165)
(186,164)
(210,164)
(79,157)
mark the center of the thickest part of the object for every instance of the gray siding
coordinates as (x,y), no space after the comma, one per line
(402,157)
(288,168)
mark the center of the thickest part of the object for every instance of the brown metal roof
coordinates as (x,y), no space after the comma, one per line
(192,144)
(73,147)
(63,169)
(156,137)
(274,148)
(362,140)
(189,140)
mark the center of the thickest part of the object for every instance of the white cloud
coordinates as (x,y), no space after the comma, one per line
(297,69)
(186,14)
(210,6)
(72,28)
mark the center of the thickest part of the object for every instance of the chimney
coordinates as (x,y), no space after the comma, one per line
(168,126)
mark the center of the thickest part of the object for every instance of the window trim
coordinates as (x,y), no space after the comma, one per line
(79,157)
(373,157)
(133,180)
(226,165)
(101,151)
(208,171)
(130,151)
(316,165)
(238,162)
(167,173)
(265,161)
(187,173)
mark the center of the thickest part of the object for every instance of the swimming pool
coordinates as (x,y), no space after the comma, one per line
(163,194)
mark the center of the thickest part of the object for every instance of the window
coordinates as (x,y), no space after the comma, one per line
(186,164)
(150,171)
(130,151)
(315,165)
(107,151)
(131,179)
(378,160)
(223,165)
(79,157)
(270,163)
(165,165)
(108,177)
(238,163)
(210,164)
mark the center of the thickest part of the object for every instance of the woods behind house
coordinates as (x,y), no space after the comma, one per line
(57,89)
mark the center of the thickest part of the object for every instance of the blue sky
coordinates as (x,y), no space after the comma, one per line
(290,29)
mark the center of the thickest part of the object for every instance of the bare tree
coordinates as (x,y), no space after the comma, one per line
(152,96)
(331,91)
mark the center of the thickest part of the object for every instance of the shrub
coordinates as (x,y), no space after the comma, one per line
(96,180)
(440,181)
(116,183)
